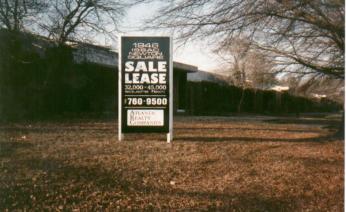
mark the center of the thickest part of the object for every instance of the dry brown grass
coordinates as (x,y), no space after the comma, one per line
(215,163)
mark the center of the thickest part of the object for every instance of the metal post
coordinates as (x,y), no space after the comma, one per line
(120,134)
(170,133)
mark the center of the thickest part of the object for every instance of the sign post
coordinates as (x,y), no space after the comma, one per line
(145,85)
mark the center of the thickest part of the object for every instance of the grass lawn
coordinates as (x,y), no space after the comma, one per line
(214,163)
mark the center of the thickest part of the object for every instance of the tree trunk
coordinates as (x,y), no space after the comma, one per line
(241,100)
(341,130)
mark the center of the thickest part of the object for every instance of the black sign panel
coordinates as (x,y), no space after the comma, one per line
(145,84)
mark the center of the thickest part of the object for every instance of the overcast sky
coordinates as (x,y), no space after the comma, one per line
(196,53)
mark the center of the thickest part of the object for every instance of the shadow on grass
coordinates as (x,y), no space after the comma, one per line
(56,129)
(312,121)
(335,126)
(250,139)
(70,185)
(316,162)
(8,148)
(111,130)
(248,129)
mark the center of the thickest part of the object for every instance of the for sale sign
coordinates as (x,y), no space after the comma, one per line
(145,84)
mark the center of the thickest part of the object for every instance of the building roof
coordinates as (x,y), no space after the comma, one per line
(185,67)
(105,56)
(83,52)
(201,76)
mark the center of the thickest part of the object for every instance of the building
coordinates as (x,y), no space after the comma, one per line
(108,59)
(82,79)
(78,78)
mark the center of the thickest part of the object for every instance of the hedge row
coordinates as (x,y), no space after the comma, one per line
(33,86)
(207,98)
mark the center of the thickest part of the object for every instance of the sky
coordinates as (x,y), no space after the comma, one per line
(196,53)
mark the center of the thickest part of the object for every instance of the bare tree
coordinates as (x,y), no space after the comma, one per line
(81,19)
(325,87)
(13,13)
(248,68)
(262,71)
(63,20)
(237,52)
(301,36)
